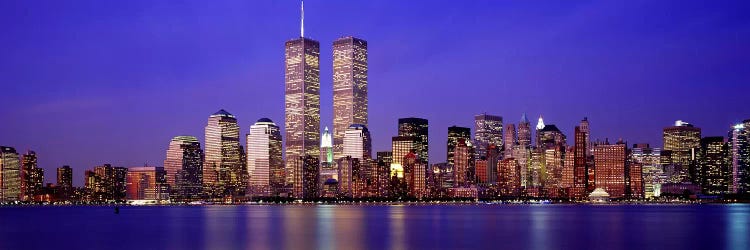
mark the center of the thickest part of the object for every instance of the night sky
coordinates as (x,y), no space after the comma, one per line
(92,82)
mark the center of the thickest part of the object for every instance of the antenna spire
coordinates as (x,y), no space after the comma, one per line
(302,20)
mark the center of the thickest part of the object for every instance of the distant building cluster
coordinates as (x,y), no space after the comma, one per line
(497,161)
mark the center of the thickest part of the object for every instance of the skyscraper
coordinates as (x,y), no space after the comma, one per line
(417,128)
(580,168)
(550,137)
(739,146)
(524,132)
(713,168)
(586,130)
(401,146)
(302,102)
(65,182)
(454,134)
(511,140)
(349,88)
(463,173)
(683,139)
(326,148)
(488,130)
(651,168)
(265,166)
(609,160)
(539,126)
(357,143)
(223,169)
(183,166)
(32,177)
(10,175)
(65,177)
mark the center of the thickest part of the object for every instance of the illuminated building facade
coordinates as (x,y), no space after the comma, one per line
(651,168)
(524,132)
(349,88)
(609,161)
(580,167)
(683,140)
(550,137)
(302,102)
(326,148)
(106,183)
(488,130)
(417,128)
(10,175)
(223,169)
(455,134)
(739,146)
(713,168)
(65,177)
(183,166)
(146,183)
(508,177)
(511,140)
(65,182)
(32,177)
(463,175)
(357,142)
(265,166)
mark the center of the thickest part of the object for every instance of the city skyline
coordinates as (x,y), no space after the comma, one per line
(25,134)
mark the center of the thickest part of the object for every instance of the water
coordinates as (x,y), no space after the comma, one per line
(379,227)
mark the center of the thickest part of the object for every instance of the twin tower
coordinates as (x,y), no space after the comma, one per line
(302,96)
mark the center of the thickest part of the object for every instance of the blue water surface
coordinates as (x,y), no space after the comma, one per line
(378,227)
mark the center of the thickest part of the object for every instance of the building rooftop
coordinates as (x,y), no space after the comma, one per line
(223,113)
(265,120)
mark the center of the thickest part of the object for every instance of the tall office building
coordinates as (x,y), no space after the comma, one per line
(349,88)
(265,166)
(462,166)
(713,168)
(417,128)
(580,168)
(146,183)
(10,175)
(401,146)
(683,139)
(539,126)
(326,148)
(456,133)
(183,166)
(586,130)
(357,143)
(223,169)
(651,168)
(609,161)
(65,177)
(301,104)
(64,183)
(488,130)
(550,137)
(511,140)
(524,132)
(739,146)
(32,177)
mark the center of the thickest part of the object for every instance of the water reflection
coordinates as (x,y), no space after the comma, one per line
(325,217)
(737,226)
(397,231)
(539,227)
(258,222)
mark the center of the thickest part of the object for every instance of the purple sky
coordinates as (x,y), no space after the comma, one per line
(93,82)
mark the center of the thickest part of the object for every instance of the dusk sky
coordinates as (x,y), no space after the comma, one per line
(91,82)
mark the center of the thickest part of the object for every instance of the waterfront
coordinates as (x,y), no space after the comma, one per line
(378,227)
